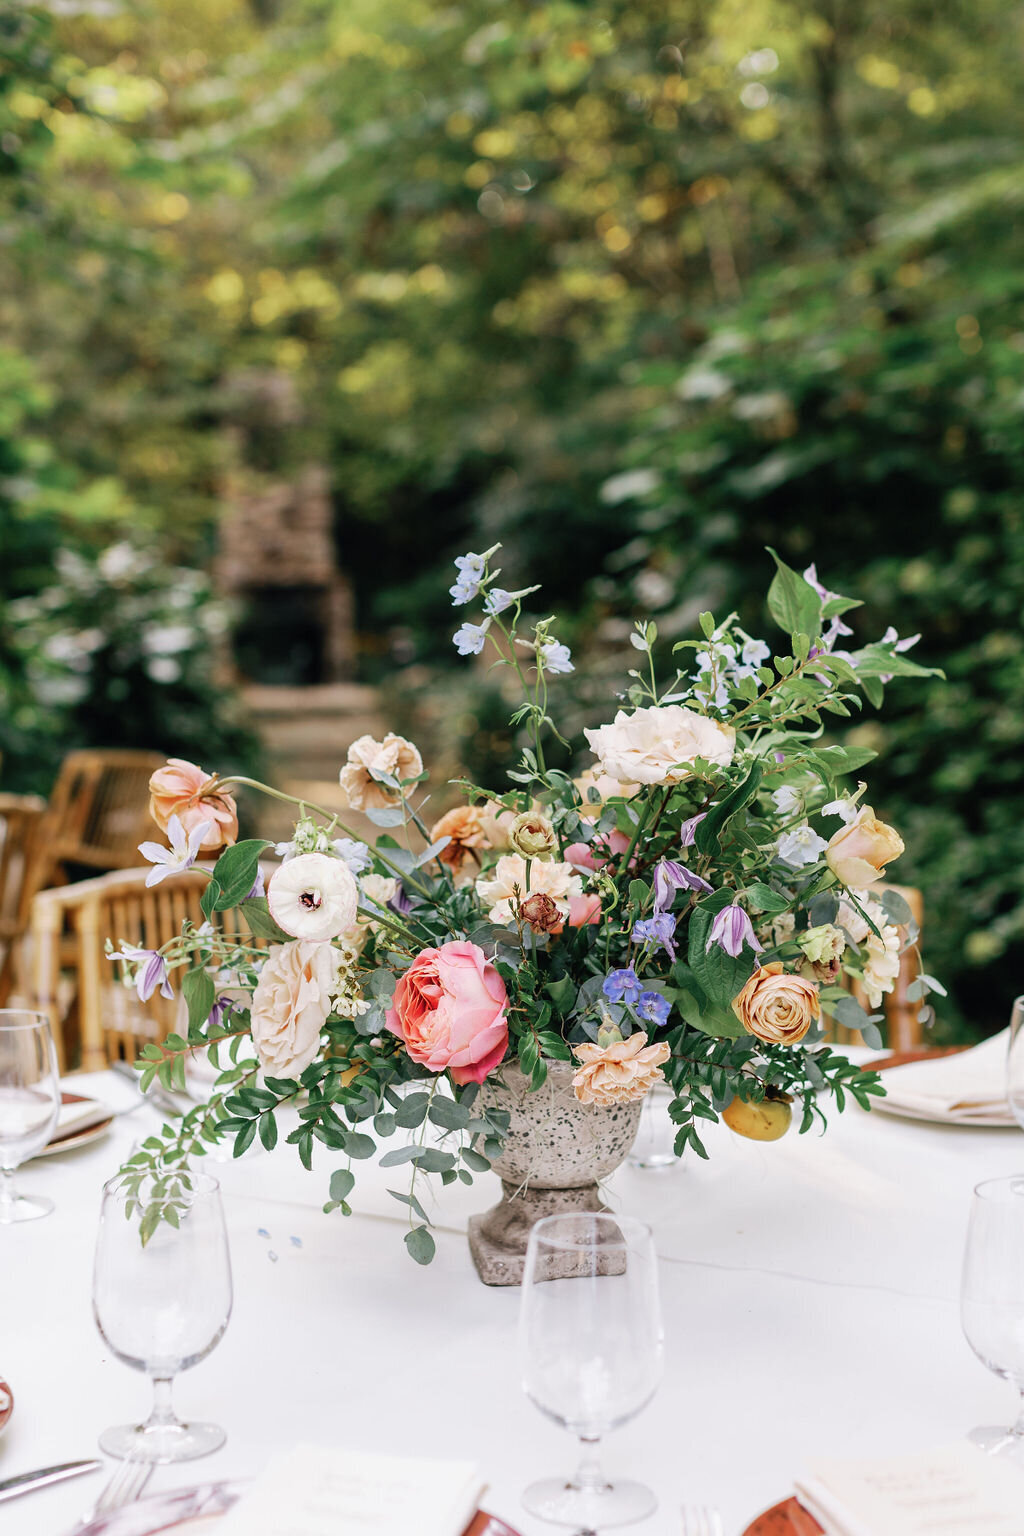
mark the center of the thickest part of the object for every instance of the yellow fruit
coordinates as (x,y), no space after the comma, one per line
(766,1121)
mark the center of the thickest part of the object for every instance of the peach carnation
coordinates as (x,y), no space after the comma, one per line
(505,886)
(619,1073)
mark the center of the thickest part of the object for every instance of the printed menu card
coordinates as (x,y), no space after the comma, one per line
(314,1491)
(955,1490)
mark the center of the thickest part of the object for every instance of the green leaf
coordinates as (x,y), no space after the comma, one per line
(342,1184)
(793,602)
(359,1146)
(208,900)
(268,1130)
(200,994)
(761,898)
(412,1110)
(706,838)
(256,912)
(235,871)
(420,1244)
(449,1115)
(562,993)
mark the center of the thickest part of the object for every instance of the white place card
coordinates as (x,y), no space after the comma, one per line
(315,1491)
(955,1490)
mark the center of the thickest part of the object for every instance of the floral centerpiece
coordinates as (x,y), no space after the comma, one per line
(687,907)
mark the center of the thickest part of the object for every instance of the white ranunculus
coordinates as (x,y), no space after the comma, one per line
(314,897)
(657,745)
(290,1004)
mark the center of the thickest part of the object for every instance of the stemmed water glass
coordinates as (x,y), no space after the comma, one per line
(590,1354)
(992,1298)
(162,1304)
(29,1105)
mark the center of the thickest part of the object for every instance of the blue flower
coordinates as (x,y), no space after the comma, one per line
(497,600)
(553,656)
(469,639)
(355,854)
(653,1008)
(622,986)
(471,569)
(659,930)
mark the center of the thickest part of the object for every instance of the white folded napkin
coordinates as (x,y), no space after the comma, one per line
(954,1490)
(968,1087)
(313,1491)
(79,1116)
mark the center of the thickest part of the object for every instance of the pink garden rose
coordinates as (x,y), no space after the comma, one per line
(593,855)
(584,910)
(449,1008)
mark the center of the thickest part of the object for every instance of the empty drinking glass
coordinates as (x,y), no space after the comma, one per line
(654,1146)
(29,1105)
(590,1353)
(992,1298)
(163,1304)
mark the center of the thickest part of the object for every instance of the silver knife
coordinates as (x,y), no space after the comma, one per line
(27,1481)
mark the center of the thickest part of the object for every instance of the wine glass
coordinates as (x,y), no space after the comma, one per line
(29,1105)
(1015,1062)
(590,1343)
(654,1146)
(162,1304)
(992,1298)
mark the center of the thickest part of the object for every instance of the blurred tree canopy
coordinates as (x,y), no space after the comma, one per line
(636,288)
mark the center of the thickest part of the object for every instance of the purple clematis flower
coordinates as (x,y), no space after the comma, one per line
(653,1008)
(259,887)
(688,830)
(222,1005)
(151,973)
(400,902)
(622,986)
(670,877)
(659,929)
(730,930)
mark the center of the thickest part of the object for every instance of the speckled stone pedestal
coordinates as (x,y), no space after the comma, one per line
(555,1151)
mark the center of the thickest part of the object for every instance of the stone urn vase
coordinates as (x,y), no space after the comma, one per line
(556,1150)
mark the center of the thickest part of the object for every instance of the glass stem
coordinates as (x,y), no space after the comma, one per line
(8,1195)
(163,1413)
(589,1477)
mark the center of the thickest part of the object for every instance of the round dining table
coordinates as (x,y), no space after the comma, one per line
(809,1291)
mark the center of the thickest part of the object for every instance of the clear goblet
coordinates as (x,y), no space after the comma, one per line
(992,1298)
(162,1305)
(590,1353)
(1015,1062)
(29,1105)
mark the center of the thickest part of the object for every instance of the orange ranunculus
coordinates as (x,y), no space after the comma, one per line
(181,789)
(776,1007)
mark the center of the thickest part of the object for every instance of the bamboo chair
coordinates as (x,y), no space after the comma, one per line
(93,1008)
(99,811)
(21,819)
(903,1031)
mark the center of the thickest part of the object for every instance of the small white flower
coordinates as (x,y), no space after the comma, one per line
(755,653)
(786,799)
(800,846)
(469,638)
(313,897)
(553,656)
(847,809)
(181,855)
(354,853)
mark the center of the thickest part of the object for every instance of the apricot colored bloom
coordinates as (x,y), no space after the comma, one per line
(505,886)
(858,853)
(182,789)
(464,825)
(776,1007)
(367,761)
(618,1073)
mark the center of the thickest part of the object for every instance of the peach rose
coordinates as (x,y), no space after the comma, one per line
(655,745)
(505,886)
(619,1073)
(449,1009)
(465,826)
(181,789)
(776,1007)
(290,1005)
(584,910)
(367,760)
(857,854)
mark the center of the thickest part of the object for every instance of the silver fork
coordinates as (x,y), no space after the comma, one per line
(127,1483)
(701,1520)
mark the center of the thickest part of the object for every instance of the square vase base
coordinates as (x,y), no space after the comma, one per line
(498,1239)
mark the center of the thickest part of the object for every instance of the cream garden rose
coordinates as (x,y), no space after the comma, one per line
(657,745)
(858,853)
(881,964)
(775,1007)
(507,886)
(367,760)
(532,835)
(290,1005)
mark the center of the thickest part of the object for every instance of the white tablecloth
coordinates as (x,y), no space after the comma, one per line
(810,1292)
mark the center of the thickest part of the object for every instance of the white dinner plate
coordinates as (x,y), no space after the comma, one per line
(992,1120)
(199,1510)
(78,1138)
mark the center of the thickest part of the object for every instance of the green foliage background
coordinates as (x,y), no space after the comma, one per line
(635,288)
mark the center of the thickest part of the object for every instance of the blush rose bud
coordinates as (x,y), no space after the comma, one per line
(532,835)
(857,854)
